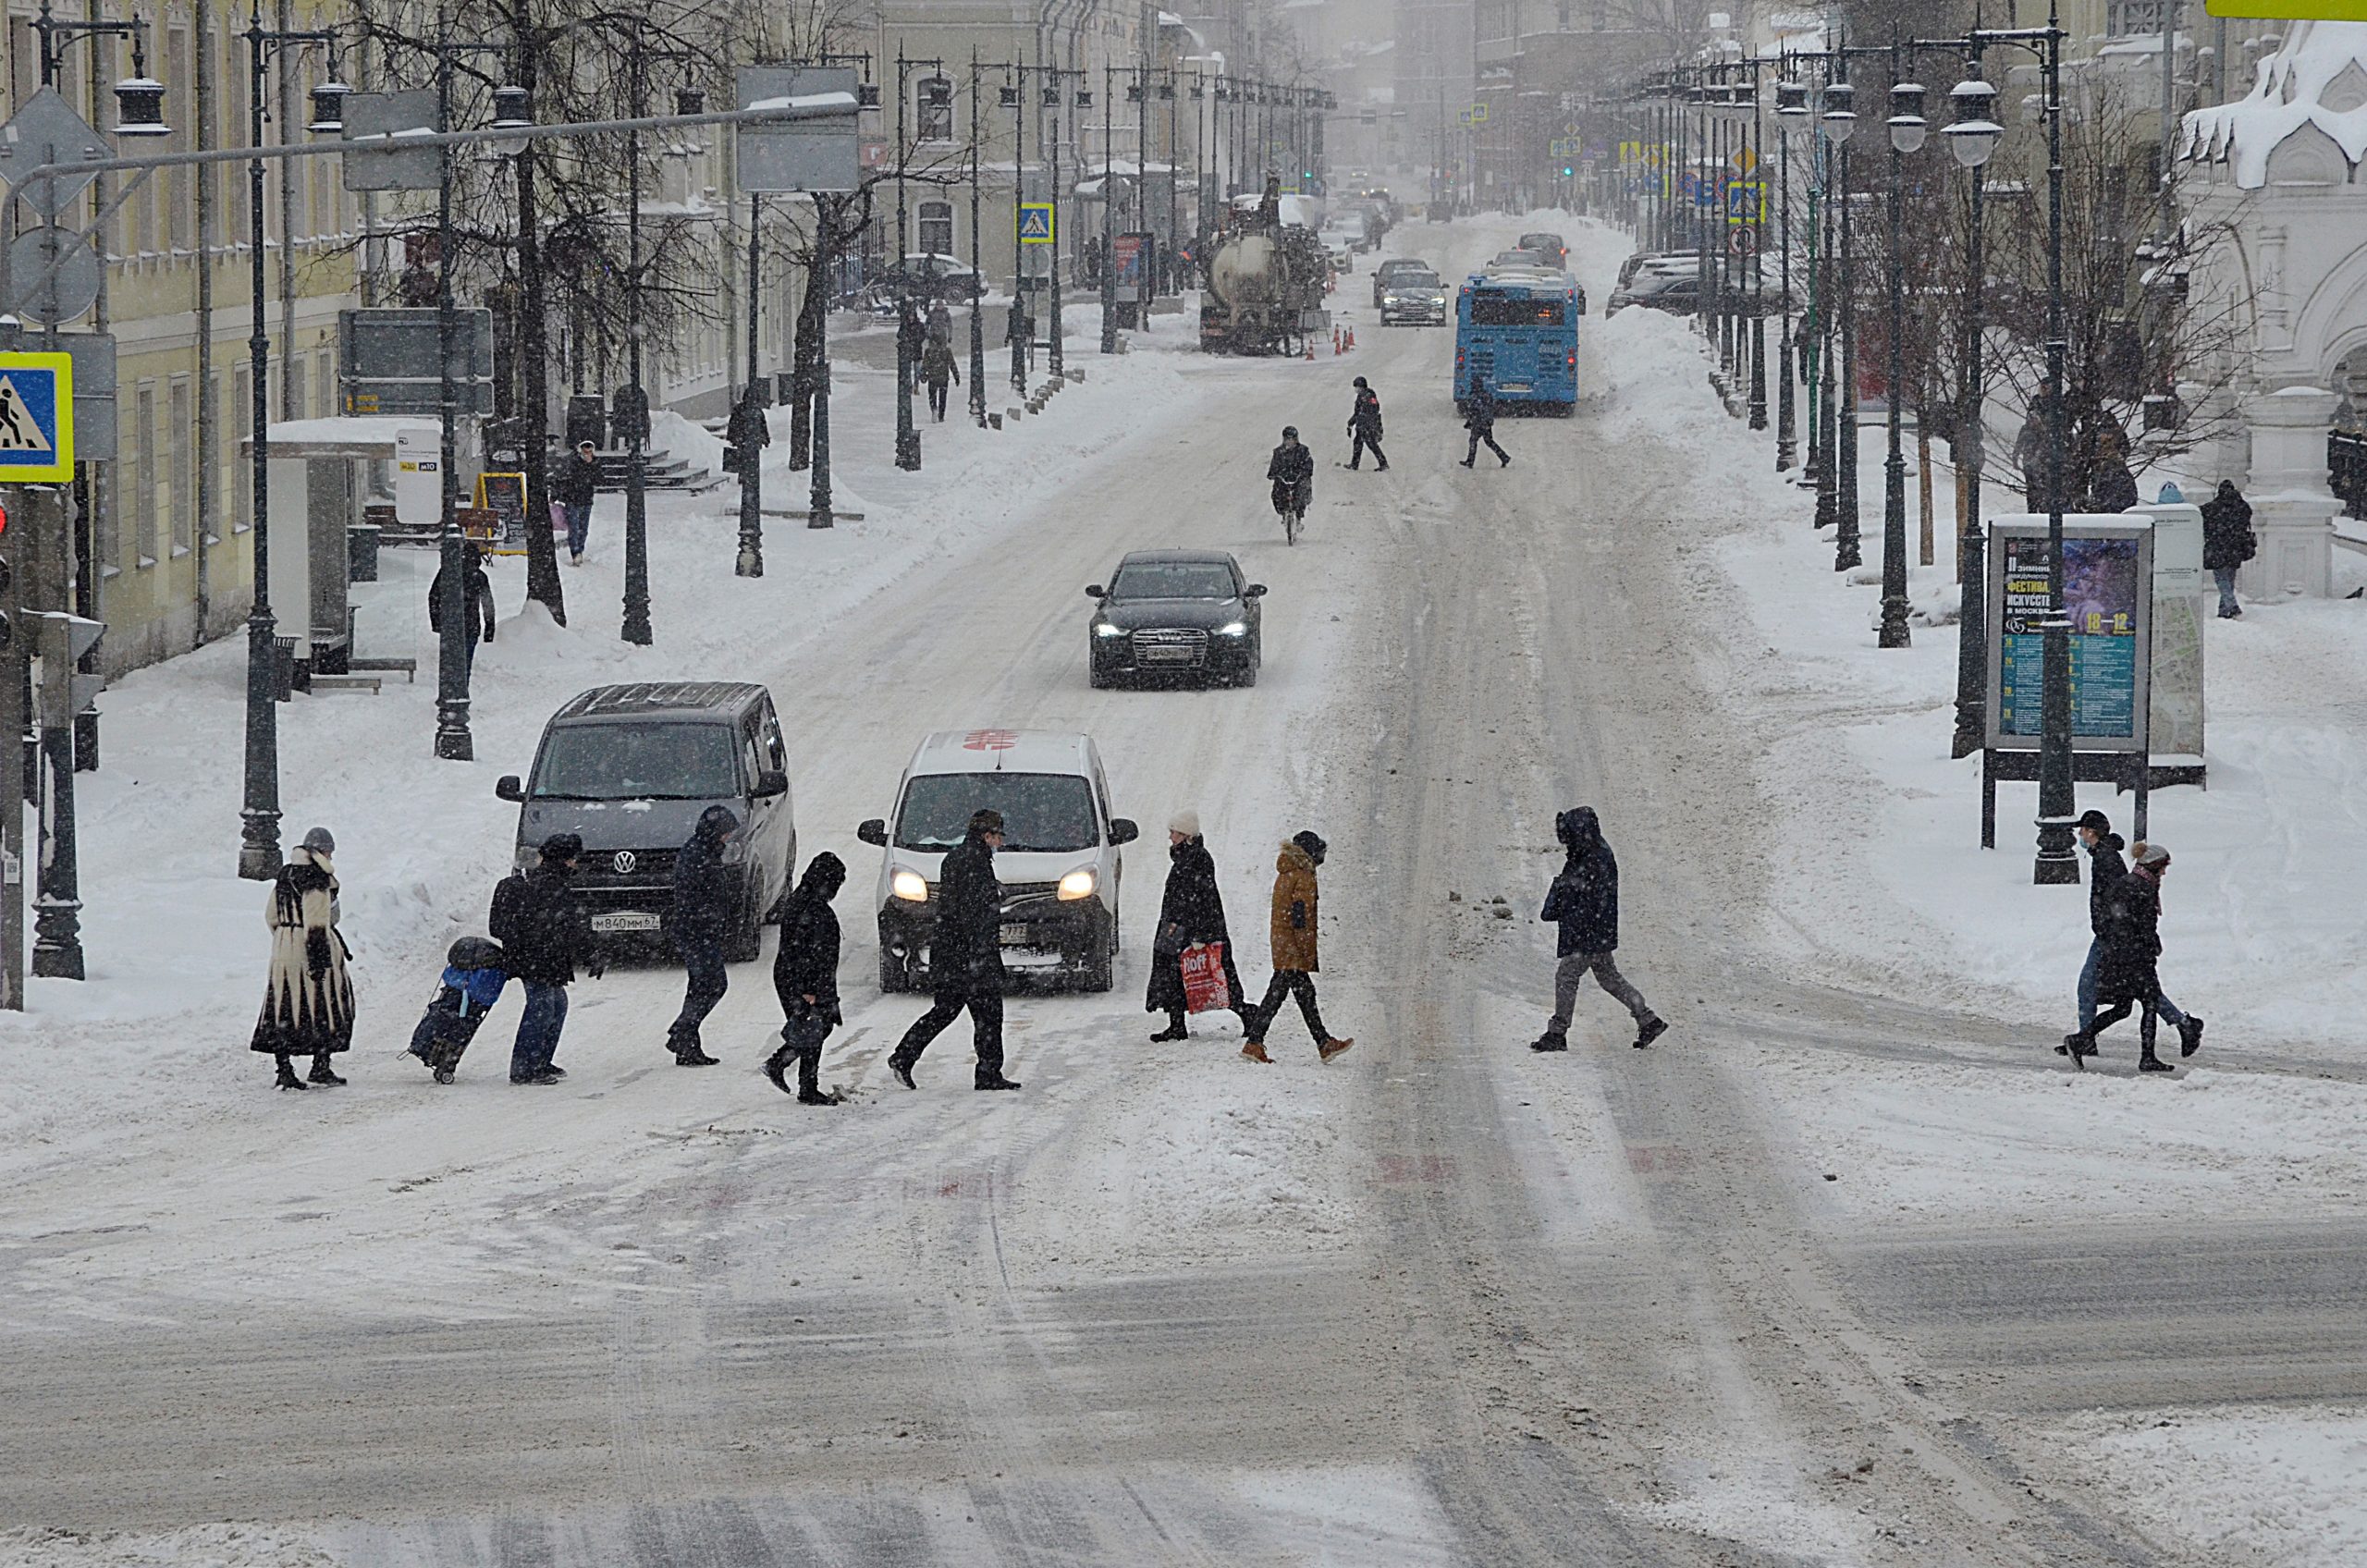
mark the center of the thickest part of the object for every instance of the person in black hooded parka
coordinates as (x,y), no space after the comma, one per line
(1191,911)
(702,912)
(1584,902)
(805,976)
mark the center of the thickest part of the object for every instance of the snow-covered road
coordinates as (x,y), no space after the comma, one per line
(1442,1302)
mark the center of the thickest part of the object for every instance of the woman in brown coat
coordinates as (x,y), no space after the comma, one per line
(308,1003)
(1293,932)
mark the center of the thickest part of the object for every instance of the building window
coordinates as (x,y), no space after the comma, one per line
(296,389)
(2124,19)
(937,228)
(212,459)
(139,500)
(935,108)
(183,500)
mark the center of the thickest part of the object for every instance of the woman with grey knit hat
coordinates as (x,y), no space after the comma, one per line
(1191,912)
(307,999)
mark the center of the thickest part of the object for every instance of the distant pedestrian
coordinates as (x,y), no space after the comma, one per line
(1364,423)
(542,928)
(1019,332)
(940,323)
(476,603)
(2111,486)
(2106,868)
(1479,418)
(750,431)
(2130,977)
(2227,543)
(307,999)
(1583,904)
(1292,929)
(965,957)
(705,904)
(1191,912)
(805,977)
(936,367)
(578,481)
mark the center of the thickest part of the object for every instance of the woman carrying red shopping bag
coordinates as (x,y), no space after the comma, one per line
(1191,917)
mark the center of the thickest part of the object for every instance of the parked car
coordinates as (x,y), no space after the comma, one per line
(1392,267)
(1176,612)
(1059,864)
(1548,245)
(629,769)
(929,275)
(1418,298)
(1677,293)
(1665,260)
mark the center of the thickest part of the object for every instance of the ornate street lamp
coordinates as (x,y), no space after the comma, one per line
(1906,132)
(1972,139)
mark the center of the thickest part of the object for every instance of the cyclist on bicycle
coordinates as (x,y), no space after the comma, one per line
(1292,473)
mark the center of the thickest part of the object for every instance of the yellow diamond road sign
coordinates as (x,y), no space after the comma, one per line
(2292,10)
(36,417)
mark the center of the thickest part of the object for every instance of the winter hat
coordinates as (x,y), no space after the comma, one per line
(824,874)
(716,824)
(985,820)
(319,840)
(1314,846)
(562,846)
(1186,822)
(2095,822)
(2151,854)
(1361,382)
(1290,433)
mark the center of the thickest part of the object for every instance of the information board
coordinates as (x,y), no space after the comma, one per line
(2107,596)
(504,495)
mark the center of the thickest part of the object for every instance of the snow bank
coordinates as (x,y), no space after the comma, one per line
(2271,1488)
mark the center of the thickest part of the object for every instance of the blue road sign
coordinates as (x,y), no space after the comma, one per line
(1035,223)
(36,417)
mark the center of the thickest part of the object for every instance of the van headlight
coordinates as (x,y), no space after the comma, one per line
(909,886)
(1079,884)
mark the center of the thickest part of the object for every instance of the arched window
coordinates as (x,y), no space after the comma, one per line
(937,228)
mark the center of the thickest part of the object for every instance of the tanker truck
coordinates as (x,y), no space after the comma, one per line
(1264,288)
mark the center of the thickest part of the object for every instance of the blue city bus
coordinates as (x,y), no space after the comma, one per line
(1519,332)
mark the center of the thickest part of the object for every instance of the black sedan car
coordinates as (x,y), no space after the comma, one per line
(1170,614)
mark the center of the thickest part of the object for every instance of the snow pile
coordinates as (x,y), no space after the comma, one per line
(205,1546)
(2272,1487)
(2320,63)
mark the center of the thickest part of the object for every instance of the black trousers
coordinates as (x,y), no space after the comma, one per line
(708,982)
(1366,443)
(1490,437)
(936,392)
(2152,1004)
(986,1029)
(1288,983)
(809,1063)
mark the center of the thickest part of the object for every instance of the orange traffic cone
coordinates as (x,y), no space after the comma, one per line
(1335,341)
(1352,337)
(1310,348)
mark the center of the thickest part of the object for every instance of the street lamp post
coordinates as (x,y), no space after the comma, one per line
(1754,149)
(1906,132)
(2057,861)
(1840,121)
(977,263)
(1791,106)
(1109,212)
(751,562)
(1972,138)
(1053,93)
(908,435)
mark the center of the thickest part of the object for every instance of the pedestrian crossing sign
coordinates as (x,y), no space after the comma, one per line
(36,417)
(1035,223)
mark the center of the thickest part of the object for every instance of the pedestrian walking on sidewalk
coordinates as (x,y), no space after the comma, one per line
(1293,931)
(2227,543)
(705,904)
(805,977)
(1479,418)
(1364,424)
(936,367)
(2106,868)
(2129,976)
(476,603)
(1191,912)
(308,998)
(1583,903)
(577,481)
(542,928)
(965,957)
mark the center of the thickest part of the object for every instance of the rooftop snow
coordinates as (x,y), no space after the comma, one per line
(2290,91)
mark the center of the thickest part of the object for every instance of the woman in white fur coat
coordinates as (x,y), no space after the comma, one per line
(308,1006)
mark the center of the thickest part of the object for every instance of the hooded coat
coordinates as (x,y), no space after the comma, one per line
(965,951)
(308,1001)
(2105,869)
(1191,911)
(1293,927)
(705,891)
(937,365)
(1480,410)
(807,964)
(2129,970)
(2228,530)
(540,924)
(1584,899)
(1367,417)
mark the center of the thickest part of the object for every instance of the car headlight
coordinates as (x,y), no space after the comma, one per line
(1103,629)
(909,886)
(1079,884)
(1233,629)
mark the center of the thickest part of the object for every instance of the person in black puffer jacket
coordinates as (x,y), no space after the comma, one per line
(2227,543)
(2105,870)
(805,977)
(965,957)
(705,903)
(1584,902)
(541,925)
(2129,976)
(1191,912)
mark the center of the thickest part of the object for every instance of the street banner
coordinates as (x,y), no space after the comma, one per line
(2107,596)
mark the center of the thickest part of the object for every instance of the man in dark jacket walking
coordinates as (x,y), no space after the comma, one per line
(476,602)
(1479,418)
(2227,543)
(541,925)
(2130,977)
(805,977)
(1191,912)
(965,957)
(2106,868)
(577,481)
(1584,902)
(937,369)
(705,906)
(1364,423)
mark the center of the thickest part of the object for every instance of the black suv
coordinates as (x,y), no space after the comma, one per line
(629,769)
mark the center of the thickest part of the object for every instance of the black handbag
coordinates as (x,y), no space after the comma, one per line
(806,1028)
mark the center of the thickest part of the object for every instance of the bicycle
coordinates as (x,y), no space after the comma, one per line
(1294,512)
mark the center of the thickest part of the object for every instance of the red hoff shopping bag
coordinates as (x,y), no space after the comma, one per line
(1204,985)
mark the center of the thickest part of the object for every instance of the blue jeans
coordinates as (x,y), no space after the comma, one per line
(2169,1010)
(579,527)
(2226,576)
(538,1029)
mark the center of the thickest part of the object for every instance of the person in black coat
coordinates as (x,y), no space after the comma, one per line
(476,602)
(2105,869)
(1584,903)
(1364,423)
(2130,977)
(1191,911)
(965,957)
(541,925)
(705,903)
(576,483)
(2227,543)
(1291,471)
(805,977)
(1479,418)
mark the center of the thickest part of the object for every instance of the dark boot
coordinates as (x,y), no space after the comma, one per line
(321,1072)
(1552,1040)
(694,1057)
(1175,1029)
(997,1082)
(2189,1035)
(816,1097)
(287,1079)
(2149,1062)
(902,1071)
(777,1069)
(1650,1030)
